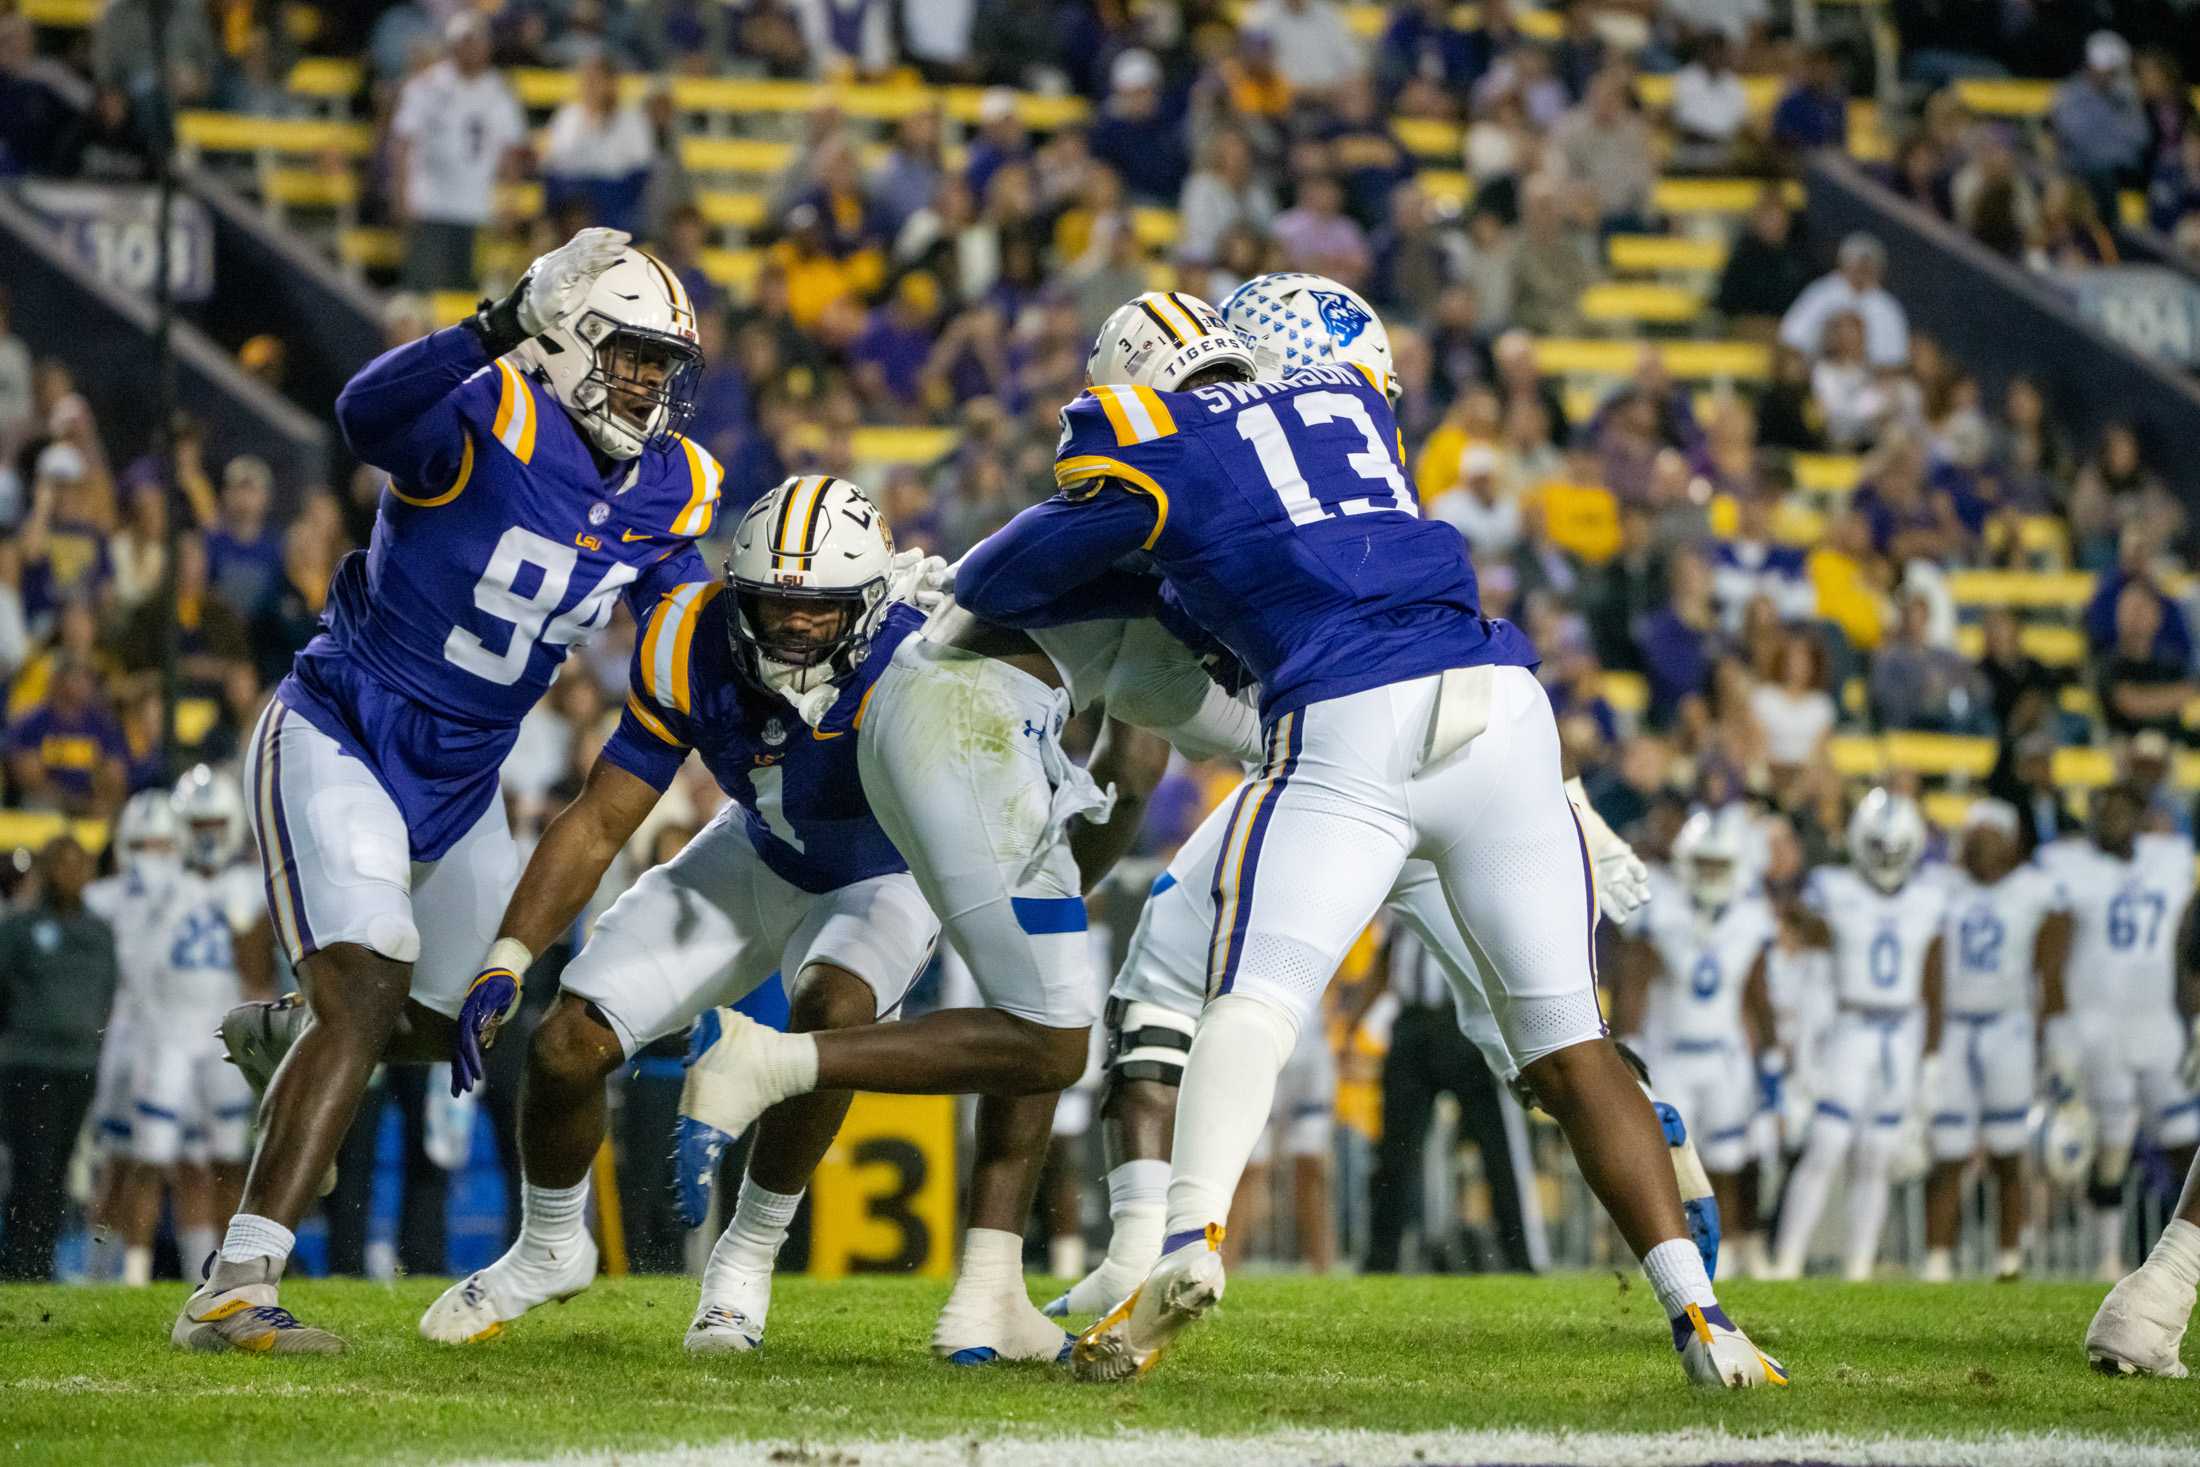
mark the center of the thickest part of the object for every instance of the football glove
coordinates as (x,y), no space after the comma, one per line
(924,581)
(551,290)
(1623,881)
(1772,1074)
(493,998)
(696,1146)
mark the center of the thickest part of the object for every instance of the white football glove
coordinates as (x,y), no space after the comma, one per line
(1623,881)
(2192,1056)
(558,282)
(922,580)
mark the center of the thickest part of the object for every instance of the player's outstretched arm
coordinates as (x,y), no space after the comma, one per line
(1055,563)
(575,852)
(1129,761)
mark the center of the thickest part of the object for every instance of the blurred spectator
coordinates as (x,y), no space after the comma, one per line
(1855,284)
(1710,113)
(1554,261)
(2020,690)
(1480,507)
(244,551)
(1603,146)
(1414,260)
(34,111)
(2071,235)
(57,988)
(140,546)
(456,134)
(1992,196)
(1909,504)
(1317,235)
(1764,271)
(889,356)
(2173,192)
(2134,566)
(108,142)
(122,50)
(597,150)
(18,408)
(1679,642)
(937,36)
(1849,397)
(1750,565)
(63,538)
(1849,578)
(2029,449)
(2101,131)
(2116,496)
(1795,713)
(1223,193)
(1813,112)
(1135,134)
(75,638)
(2139,687)
(67,754)
(1364,152)
(907,177)
(1423,43)
(1000,140)
(848,36)
(1315,49)
(1916,684)
(289,620)
(212,641)
(2167,101)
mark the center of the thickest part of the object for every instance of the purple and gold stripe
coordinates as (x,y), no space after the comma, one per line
(1238,867)
(271,825)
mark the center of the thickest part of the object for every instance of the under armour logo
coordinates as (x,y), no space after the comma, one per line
(1032,730)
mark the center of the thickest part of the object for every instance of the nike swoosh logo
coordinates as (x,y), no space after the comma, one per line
(630,537)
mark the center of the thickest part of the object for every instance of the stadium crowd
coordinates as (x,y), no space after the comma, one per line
(1709,624)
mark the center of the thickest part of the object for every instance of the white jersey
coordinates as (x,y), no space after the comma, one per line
(2124,920)
(1799,986)
(126,902)
(1879,940)
(192,922)
(1988,936)
(1705,961)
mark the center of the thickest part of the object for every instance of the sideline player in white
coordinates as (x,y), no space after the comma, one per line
(537,478)
(1692,985)
(206,945)
(2130,894)
(2006,933)
(145,855)
(792,876)
(1880,918)
(1401,722)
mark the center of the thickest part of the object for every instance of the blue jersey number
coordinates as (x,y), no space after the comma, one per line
(204,942)
(1886,960)
(1261,427)
(1704,981)
(2132,912)
(1979,941)
(521,551)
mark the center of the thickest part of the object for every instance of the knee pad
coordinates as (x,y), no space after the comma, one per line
(1145,1042)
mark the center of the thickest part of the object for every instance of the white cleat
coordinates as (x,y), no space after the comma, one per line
(1101,1290)
(1939,1267)
(730,1318)
(977,1330)
(1715,1353)
(726,1085)
(478,1306)
(1130,1339)
(2139,1326)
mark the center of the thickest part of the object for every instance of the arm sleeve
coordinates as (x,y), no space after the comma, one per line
(674,568)
(398,413)
(1036,571)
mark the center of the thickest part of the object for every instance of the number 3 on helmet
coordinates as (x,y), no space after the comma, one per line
(809,577)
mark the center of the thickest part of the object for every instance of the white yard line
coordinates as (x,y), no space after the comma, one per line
(1400,1449)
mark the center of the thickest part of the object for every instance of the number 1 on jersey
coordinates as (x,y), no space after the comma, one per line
(1261,427)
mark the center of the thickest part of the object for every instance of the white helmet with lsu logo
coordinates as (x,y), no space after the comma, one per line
(809,573)
(1296,319)
(1160,339)
(625,361)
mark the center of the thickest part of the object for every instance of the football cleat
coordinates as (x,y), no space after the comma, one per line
(977,1330)
(240,1313)
(1715,1353)
(730,1318)
(1099,1290)
(256,1036)
(1129,1340)
(2139,1326)
(479,1305)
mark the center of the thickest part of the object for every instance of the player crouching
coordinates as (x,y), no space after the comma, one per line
(793,875)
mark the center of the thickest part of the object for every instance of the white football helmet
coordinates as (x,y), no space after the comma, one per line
(1294,319)
(1160,339)
(626,362)
(1709,854)
(145,831)
(2064,1140)
(815,543)
(210,810)
(1886,839)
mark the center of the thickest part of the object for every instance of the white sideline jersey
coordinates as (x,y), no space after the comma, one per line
(125,903)
(1704,963)
(2124,920)
(1879,940)
(1988,936)
(193,920)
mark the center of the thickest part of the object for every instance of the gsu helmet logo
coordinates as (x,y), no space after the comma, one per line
(1345,319)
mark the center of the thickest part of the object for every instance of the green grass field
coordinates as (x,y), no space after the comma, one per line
(86,1375)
